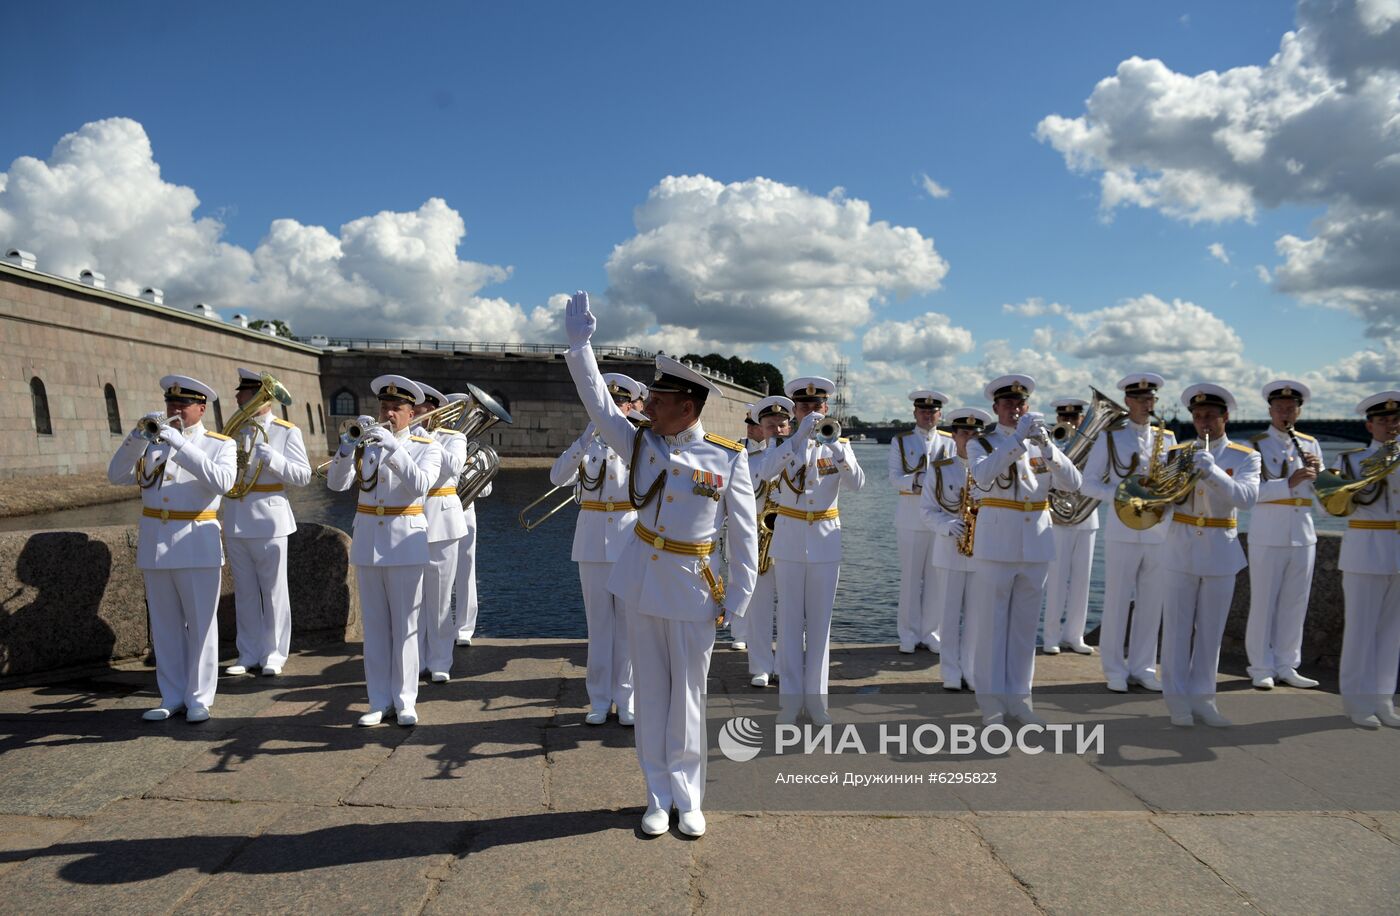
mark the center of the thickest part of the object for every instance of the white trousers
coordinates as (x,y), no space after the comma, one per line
(437,631)
(1134,573)
(1193,622)
(672,663)
(958,630)
(1006,600)
(1280,580)
(1371,640)
(806,593)
(184,605)
(758,624)
(609,676)
(918,617)
(1067,590)
(464,587)
(260,599)
(389,600)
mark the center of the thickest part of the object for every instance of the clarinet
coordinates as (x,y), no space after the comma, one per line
(1305,457)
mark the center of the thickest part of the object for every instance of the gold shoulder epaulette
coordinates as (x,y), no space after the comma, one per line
(450,432)
(723,442)
(281,422)
(1304,436)
(843,439)
(1179,445)
(1241,448)
(213,435)
(424,439)
(943,462)
(944,432)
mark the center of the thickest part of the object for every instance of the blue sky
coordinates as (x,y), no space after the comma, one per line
(545,125)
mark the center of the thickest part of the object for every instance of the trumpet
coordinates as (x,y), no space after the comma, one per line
(828,431)
(352,433)
(150,428)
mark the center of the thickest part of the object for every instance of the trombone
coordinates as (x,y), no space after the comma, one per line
(242,421)
(531,524)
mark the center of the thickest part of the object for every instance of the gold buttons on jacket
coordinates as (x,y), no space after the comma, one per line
(675,470)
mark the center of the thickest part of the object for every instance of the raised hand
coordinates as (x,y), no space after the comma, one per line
(579,323)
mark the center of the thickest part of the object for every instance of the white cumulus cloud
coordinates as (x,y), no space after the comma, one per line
(932,188)
(1218,252)
(1035,307)
(99,201)
(930,338)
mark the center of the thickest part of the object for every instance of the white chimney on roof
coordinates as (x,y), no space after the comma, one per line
(320,340)
(20,258)
(93,278)
(206,311)
(240,319)
(153,294)
(269,328)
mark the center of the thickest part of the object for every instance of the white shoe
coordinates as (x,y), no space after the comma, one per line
(197,714)
(236,670)
(1386,714)
(1118,685)
(1365,720)
(1264,683)
(1082,647)
(692,823)
(955,684)
(934,647)
(1028,716)
(271,671)
(819,717)
(1294,679)
(373,717)
(759,680)
(407,717)
(1146,682)
(906,650)
(626,718)
(656,821)
(160,713)
(1183,719)
(1211,716)
(596,717)
(739,645)
(441,677)
(464,640)
(992,718)
(1050,650)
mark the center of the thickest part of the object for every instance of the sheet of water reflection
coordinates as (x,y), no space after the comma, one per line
(528,587)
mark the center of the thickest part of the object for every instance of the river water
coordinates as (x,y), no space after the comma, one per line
(528,587)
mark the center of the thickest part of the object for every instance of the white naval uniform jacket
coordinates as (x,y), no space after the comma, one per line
(1202,550)
(946,478)
(1109,460)
(1021,472)
(811,477)
(190,480)
(599,535)
(1283,516)
(910,455)
(401,479)
(1371,550)
(446,521)
(655,581)
(265,512)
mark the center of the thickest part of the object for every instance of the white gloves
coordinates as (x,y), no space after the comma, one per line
(1204,461)
(1026,424)
(808,427)
(954,527)
(579,322)
(173,436)
(384,437)
(263,452)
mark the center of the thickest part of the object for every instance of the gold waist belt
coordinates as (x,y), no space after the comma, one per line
(1183,519)
(443,491)
(1023,506)
(686,548)
(1286,502)
(1364,524)
(909,492)
(592,505)
(169,515)
(825,515)
(415,509)
(267,488)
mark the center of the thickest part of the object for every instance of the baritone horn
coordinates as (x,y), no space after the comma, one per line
(1068,508)
(483,464)
(245,433)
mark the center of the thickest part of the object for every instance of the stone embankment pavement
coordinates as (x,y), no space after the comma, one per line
(503,800)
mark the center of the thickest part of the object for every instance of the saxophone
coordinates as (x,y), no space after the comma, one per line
(767,519)
(967,511)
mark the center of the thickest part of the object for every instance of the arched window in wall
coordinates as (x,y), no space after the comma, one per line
(114,413)
(344,404)
(42,424)
(310,420)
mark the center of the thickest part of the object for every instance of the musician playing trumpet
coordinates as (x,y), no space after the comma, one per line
(1016,464)
(604,526)
(392,471)
(1370,565)
(1203,556)
(1282,542)
(947,497)
(774,415)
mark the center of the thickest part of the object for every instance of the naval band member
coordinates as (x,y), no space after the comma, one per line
(775,421)
(687,486)
(1067,592)
(464,602)
(447,525)
(911,454)
(182,472)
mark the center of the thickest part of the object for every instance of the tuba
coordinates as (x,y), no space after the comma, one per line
(1073,508)
(481,413)
(1338,494)
(245,432)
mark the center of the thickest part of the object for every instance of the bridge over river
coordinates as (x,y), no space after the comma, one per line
(1240,430)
